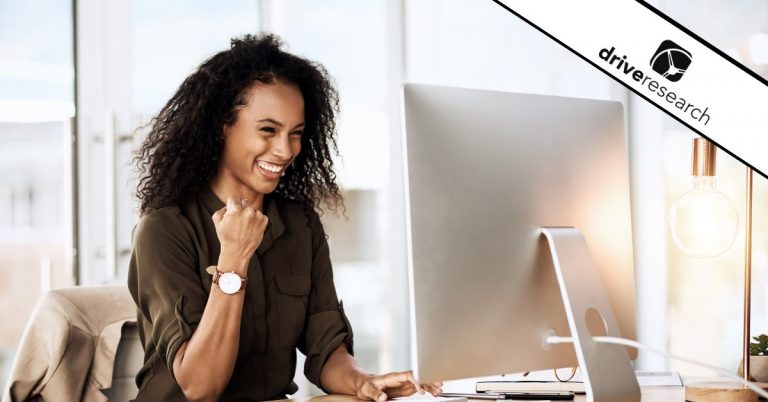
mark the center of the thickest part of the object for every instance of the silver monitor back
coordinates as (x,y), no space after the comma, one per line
(484,171)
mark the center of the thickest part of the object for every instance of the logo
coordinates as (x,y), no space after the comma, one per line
(671,60)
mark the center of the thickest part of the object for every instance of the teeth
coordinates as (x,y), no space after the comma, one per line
(270,167)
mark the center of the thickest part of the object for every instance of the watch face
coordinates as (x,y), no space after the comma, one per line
(229,282)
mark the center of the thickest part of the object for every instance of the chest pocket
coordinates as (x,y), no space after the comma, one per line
(292,299)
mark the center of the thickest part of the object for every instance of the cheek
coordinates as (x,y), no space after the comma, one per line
(241,155)
(252,148)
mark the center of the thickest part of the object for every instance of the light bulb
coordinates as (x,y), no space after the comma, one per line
(703,220)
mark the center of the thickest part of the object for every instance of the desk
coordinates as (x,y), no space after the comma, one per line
(649,395)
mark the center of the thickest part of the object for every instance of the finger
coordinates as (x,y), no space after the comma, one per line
(433,389)
(372,391)
(218,215)
(392,380)
(263,219)
(232,204)
(412,380)
(405,390)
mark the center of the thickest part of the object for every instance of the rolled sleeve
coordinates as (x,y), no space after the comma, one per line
(164,281)
(327,325)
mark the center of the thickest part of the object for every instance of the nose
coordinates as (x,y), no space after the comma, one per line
(281,147)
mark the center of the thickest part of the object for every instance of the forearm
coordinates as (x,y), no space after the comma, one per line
(341,373)
(204,364)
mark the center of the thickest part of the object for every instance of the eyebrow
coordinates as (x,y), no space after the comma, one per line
(277,123)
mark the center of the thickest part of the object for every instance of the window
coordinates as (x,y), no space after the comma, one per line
(36,107)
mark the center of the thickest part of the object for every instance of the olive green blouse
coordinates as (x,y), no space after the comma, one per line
(290,298)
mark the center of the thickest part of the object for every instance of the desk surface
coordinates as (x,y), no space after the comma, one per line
(649,395)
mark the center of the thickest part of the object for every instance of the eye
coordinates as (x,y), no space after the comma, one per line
(270,130)
(298,133)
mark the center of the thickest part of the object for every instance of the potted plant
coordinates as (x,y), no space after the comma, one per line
(758,358)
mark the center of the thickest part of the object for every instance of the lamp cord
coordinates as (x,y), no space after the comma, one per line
(637,345)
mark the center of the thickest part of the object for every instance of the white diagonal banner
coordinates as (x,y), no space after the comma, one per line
(664,63)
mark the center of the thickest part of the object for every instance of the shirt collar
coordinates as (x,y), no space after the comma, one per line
(275,226)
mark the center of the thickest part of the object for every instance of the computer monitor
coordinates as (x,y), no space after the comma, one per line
(484,172)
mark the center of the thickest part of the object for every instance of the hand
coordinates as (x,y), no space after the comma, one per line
(393,385)
(240,229)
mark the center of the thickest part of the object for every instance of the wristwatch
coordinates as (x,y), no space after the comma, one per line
(229,282)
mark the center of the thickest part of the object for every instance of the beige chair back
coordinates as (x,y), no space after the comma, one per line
(80,343)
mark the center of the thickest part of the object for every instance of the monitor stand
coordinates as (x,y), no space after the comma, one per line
(607,372)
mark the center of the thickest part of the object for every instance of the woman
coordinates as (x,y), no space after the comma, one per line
(230,268)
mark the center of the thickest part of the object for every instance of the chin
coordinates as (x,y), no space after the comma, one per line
(264,188)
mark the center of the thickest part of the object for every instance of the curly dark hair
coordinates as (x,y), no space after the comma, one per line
(182,151)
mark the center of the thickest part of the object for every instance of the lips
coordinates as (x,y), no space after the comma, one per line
(271,167)
(270,170)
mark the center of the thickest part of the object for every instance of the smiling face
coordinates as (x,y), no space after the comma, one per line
(262,142)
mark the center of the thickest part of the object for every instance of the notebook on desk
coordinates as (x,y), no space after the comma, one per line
(646,379)
(663,379)
(531,386)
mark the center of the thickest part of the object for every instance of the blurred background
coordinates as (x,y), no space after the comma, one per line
(66,210)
